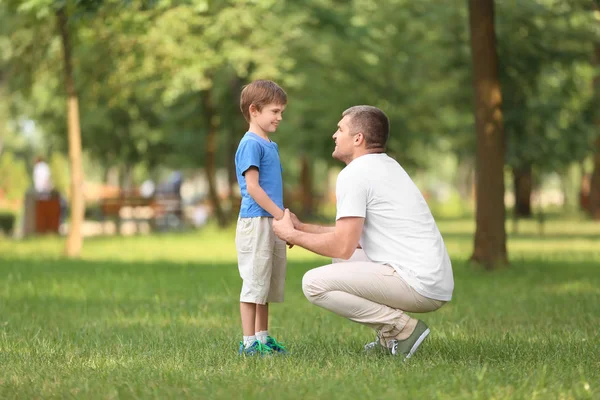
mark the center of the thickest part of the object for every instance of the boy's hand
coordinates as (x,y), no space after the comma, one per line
(280,216)
(284,228)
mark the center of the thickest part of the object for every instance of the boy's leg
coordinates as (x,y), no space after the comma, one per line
(277,284)
(248,313)
(254,247)
(254,270)
(262,317)
(276,290)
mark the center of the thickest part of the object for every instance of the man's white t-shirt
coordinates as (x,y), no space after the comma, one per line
(399,229)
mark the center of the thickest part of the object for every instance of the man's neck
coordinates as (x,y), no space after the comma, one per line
(364,152)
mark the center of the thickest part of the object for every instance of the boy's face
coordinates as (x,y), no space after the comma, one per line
(268,118)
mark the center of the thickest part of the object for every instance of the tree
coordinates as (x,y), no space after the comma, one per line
(75,238)
(594,202)
(490,235)
(544,53)
(33,18)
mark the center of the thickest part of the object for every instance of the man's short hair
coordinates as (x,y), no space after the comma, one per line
(261,93)
(372,123)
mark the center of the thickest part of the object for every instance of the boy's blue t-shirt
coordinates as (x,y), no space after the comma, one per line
(254,151)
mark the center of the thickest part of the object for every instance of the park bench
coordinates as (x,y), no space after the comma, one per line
(160,211)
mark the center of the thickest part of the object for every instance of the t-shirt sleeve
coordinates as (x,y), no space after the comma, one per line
(248,155)
(351,196)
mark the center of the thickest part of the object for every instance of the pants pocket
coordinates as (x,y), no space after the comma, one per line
(262,268)
(244,235)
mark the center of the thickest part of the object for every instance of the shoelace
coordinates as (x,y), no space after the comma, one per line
(394,347)
(275,344)
(260,347)
(263,348)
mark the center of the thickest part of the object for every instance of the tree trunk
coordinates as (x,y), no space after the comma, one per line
(306,182)
(211,157)
(522,181)
(594,199)
(584,189)
(234,195)
(75,238)
(236,130)
(490,236)
(594,206)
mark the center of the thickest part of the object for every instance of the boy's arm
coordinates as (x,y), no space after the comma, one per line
(259,195)
(339,243)
(310,228)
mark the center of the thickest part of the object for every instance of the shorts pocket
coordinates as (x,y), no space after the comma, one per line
(262,267)
(244,235)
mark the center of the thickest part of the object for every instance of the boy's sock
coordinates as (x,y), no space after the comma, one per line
(248,340)
(262,336)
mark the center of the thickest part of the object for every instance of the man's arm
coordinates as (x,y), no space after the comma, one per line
(309,228)
(259,195)
(341,242)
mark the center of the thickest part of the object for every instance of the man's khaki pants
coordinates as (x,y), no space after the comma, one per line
(366,292)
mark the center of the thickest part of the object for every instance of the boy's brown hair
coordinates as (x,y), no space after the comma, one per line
(261,93)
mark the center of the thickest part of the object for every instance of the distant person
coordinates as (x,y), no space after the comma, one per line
(175,182)
(261,254)
(200,216)
(42,177)
(147,189)
(389,256)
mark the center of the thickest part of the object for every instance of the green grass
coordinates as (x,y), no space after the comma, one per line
(157,317)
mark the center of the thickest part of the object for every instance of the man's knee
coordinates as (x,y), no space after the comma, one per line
(310,285)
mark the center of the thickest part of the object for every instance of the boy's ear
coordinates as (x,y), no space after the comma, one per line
(253,109)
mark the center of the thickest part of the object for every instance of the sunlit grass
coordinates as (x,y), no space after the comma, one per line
(157,317)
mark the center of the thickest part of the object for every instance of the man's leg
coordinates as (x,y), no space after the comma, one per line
(368,293)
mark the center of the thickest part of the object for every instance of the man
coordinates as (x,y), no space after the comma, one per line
(42,176)
(395,258)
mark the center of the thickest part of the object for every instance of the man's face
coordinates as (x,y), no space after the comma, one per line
(344,141)
(269,117)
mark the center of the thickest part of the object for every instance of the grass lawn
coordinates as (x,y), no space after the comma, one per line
(157,317)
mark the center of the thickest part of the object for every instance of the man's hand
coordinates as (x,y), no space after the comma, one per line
(295,221)
(284,228)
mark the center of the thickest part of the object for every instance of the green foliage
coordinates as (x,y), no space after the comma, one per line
(7,221)
(59,167)
(546,74)
(144,69)
(14,180)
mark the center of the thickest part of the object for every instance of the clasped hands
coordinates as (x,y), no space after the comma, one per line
(285,227)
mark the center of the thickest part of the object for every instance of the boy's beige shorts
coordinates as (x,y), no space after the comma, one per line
(261,260)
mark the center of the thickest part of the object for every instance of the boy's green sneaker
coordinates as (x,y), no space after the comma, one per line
(275,346)
(407,347)
(256,349)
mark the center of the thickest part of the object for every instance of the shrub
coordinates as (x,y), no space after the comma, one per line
(7,221)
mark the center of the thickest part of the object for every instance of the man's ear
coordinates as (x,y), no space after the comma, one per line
(359,138)
(253,108)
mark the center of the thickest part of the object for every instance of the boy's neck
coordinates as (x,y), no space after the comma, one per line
(254,128)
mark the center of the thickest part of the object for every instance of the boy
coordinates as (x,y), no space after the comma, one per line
(261,254)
